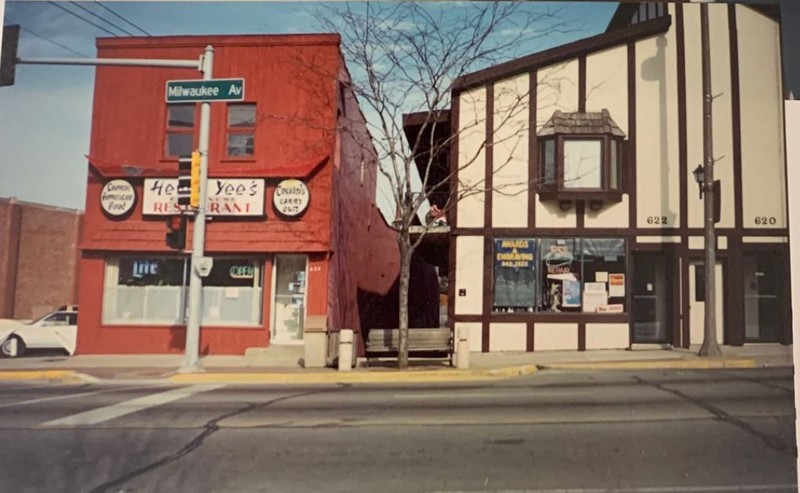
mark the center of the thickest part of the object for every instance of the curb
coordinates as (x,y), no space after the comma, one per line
(678,364)
(63,376)
(354,376)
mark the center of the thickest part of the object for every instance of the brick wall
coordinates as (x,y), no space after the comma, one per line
(38,258)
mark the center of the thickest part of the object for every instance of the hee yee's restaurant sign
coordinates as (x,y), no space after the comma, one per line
(225,197)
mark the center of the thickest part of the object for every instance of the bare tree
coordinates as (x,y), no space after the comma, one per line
(405,58)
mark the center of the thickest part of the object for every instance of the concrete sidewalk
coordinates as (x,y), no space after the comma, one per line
(285,366)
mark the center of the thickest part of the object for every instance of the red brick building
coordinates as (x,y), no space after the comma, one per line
(38,258)
(299,130)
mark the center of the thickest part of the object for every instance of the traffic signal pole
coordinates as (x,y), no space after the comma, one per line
(192,362)
(204,64)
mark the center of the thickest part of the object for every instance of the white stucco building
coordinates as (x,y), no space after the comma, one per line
(588,233)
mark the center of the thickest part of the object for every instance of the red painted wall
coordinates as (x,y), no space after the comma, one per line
(365,255)
(292,79)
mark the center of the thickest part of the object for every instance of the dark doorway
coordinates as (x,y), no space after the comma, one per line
(764,296)
(653,292)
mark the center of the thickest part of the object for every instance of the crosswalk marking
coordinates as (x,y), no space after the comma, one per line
(106,413)
(53,398)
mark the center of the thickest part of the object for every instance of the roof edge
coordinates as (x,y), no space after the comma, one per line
(557,54)
(181,41)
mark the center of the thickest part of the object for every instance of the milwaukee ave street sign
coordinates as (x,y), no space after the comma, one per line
(198,91)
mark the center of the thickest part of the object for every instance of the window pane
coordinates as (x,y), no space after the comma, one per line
(604,265)
(582,163)
(180,115)
(234,272)
(514,274)
(642,12)
(613,178)
(232,292)
(179,144)
(242,115)
(548,173)
(240,144)
(151,271)
(148,290)
(561,275)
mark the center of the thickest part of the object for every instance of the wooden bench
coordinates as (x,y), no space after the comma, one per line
(420,340)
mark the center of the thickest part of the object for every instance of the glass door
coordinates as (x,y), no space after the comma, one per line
(652,298)
(289,302)
(762,287)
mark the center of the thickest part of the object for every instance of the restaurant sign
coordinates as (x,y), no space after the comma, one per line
(225,197)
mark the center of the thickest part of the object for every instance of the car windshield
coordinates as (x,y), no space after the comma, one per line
(47,315)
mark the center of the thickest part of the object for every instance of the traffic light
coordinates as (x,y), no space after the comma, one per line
(195,181)
(189,180)
(184,180)
(176,232)
(8,55)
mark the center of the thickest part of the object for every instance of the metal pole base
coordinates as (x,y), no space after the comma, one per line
(191,369)
(710,350)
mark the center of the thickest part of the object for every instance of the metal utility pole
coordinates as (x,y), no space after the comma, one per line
(710,346)
(192,362)
(204,64)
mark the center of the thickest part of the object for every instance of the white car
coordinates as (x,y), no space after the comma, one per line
(56,330)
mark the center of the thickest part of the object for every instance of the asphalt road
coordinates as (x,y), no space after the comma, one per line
(647,431)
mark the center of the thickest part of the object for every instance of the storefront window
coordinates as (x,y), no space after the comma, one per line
(232,292)
(144,290)
(514,275)
(152,291)
(560,275)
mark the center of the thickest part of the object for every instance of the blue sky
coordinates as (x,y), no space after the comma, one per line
(45,117)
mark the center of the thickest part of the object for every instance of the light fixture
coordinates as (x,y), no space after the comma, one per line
(700,177)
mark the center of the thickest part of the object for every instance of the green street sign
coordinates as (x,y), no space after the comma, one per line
(199,91)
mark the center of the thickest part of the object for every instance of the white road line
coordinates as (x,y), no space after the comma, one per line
(54,398)
(128,407)
(71,396)
(652,489)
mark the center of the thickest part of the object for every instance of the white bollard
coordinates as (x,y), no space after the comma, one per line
(462,348)
(345,350)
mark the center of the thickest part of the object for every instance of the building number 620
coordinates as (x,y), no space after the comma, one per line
(762,220)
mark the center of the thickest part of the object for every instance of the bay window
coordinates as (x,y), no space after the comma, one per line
(580,158)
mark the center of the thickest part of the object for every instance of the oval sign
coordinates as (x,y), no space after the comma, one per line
(117,197)
(291,197)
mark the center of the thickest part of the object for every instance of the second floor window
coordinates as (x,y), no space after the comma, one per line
(241,129)
(180,129)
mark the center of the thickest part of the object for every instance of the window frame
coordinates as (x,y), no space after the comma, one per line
(578,248)
(558,190)
(112,281)
(169,130)
(240,130)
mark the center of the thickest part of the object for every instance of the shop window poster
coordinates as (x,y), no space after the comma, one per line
(514,273)
(572,293)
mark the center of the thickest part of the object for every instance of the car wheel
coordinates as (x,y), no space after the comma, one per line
(11,350)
